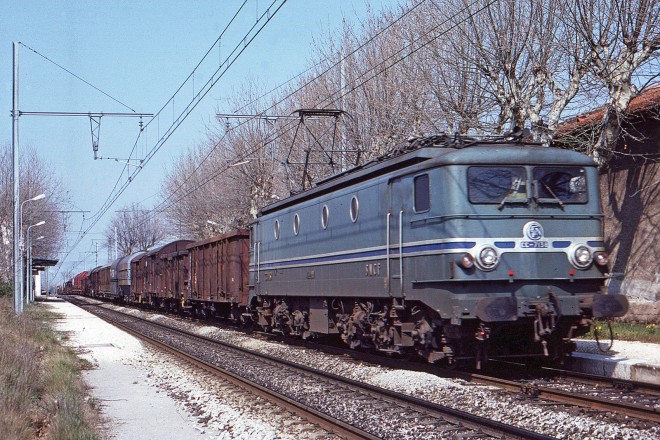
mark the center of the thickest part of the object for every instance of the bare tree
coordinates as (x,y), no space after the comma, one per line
(623,38)
(36,178)
(136,229)
(222,184)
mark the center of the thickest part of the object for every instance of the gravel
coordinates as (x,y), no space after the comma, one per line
(556,420)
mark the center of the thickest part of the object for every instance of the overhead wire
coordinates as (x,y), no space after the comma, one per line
(76,76)
(364,44)
(163,205)
(246,41)
(156,116)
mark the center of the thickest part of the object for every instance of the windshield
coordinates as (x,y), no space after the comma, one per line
(566,184)
(497,185)
(508,185)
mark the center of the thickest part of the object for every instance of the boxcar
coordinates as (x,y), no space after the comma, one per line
(120,276)
(138,278)
(174,264)
(219,275)
(100,281)
(77,285)
(150,274)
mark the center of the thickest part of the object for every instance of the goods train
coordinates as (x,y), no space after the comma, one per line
(452,249)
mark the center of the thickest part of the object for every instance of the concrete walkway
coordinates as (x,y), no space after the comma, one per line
(133,408)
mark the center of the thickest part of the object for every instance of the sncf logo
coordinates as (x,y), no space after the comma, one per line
(533,231)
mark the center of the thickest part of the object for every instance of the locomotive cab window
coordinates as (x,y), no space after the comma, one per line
(422,195)
(498,185)
(560,184)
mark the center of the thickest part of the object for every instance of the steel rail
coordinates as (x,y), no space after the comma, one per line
(556,395)
(645,387)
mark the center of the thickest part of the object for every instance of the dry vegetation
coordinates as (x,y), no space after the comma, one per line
(41,394)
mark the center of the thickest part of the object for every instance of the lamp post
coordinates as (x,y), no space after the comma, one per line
(29,260)
(19,261)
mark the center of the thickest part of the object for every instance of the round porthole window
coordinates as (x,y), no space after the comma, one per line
(324,217)
(296,224)
(277,230)
(355,206)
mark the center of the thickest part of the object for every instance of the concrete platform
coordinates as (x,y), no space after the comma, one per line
(636,361)
(133,409)
(618,368)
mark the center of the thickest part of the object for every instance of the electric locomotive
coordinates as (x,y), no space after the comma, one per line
(454,249)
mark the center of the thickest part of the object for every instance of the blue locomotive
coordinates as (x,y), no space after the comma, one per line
(453,249)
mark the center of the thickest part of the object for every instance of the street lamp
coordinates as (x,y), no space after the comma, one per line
(18,279)
(29,260)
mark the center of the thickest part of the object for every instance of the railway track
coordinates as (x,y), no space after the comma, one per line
(348,408)
(624,397)
(627,398)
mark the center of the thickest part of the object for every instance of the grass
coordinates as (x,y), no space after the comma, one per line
(41,394)
(626,331)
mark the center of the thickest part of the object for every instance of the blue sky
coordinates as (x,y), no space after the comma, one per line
(139,52)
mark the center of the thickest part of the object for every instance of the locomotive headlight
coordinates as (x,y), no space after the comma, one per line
(581,257)
(466,261)
(488,258)
(601,258)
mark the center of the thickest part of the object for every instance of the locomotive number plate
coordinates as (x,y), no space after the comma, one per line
(534,244)
(372,270)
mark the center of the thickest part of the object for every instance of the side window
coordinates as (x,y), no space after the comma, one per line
(276,230)
(355,206)
(422,196)
(324,217)
(296,224)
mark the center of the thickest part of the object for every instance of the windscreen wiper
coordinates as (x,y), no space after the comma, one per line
(508,199)
(555,199)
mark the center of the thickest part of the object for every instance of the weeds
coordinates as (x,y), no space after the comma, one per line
(41,395)
(626,331)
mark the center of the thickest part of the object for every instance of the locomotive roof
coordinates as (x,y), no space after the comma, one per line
(481,153)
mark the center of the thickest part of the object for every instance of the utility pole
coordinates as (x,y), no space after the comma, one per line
(116,242)
(342,148)
(18,272)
